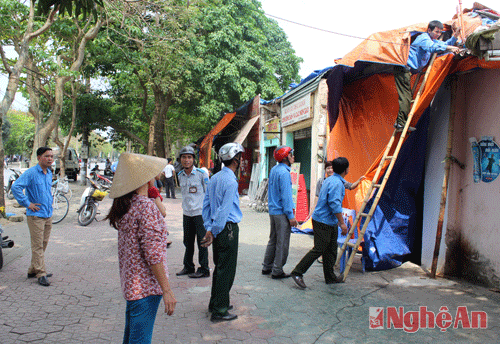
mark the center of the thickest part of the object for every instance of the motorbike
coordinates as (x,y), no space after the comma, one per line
(89,202)
(100,179)
(108,172)
(12,178)
(4,243)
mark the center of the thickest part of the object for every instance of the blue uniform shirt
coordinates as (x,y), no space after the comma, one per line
(330,200)
(38,190)
(279,195)
(193,187)
(422,48)
(221,203)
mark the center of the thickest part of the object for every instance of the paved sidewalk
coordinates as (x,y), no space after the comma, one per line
(84,304)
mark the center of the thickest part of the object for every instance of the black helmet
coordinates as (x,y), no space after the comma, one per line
(187,150)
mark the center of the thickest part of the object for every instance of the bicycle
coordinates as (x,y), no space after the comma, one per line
(60,204)
(63,187)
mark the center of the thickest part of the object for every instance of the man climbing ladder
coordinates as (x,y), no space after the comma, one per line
(402,126)
(421,49)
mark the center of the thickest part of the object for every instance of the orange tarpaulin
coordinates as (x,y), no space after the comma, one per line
(393,47)
(368,109)
(206,144)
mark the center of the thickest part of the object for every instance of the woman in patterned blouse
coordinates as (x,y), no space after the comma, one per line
(142,245)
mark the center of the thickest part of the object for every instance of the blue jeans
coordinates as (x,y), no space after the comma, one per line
(139,319)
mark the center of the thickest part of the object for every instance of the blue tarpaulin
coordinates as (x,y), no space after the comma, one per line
(394,235)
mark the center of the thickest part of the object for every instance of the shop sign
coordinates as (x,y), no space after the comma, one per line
(297,111)
(272,129)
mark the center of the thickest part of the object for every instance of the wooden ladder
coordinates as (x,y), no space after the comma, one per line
(380,187)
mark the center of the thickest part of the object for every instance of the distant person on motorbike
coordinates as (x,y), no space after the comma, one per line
(107,168)
(142,245)
(37,183)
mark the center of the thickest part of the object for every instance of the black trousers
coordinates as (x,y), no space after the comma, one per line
(170,187)
(194,230)
(325,244)
(225,248)
(402,76)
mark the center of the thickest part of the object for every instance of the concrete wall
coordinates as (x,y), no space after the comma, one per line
(473,227)
(434,173)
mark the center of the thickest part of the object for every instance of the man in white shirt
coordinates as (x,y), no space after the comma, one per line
(168,172)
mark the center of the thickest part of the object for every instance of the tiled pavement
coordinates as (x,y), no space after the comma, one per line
(84,304)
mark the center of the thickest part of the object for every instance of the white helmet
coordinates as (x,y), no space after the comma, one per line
(229,150)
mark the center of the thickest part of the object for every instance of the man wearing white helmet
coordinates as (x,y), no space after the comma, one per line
(221,215)
(193,182)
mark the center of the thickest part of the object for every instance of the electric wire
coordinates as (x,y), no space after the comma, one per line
(332,32)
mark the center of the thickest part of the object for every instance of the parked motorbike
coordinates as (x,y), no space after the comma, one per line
(89,202)
(12,178)
(108,172)
(101,180)
(4,243)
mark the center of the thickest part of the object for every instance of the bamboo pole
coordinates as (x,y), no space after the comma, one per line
(447,167)
(461,21)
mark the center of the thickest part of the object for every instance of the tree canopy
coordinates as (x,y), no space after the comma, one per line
(170,67)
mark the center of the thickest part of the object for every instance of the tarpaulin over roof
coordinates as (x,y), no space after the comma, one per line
(206,144)
(363,105)
(308,80)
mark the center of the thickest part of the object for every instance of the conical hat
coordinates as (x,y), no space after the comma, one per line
(133,171)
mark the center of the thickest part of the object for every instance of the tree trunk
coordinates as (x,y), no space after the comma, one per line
(14,73)
(160,137)
(34,88)
(85,146)
(156,143)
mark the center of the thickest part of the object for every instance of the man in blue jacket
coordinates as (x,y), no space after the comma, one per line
(326,219)
(420,52)
(37,181)
(221,215)
(281,214)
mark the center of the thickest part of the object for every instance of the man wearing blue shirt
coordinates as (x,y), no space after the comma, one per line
(221,215)
(37,181)
(280,203)
(420,52)
(193,182)
(326,218)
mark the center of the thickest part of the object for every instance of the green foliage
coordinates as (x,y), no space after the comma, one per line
(205,57)
(22,131)
(5,130)
(92,112)
(210,57)
(243,53)
(69,7)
